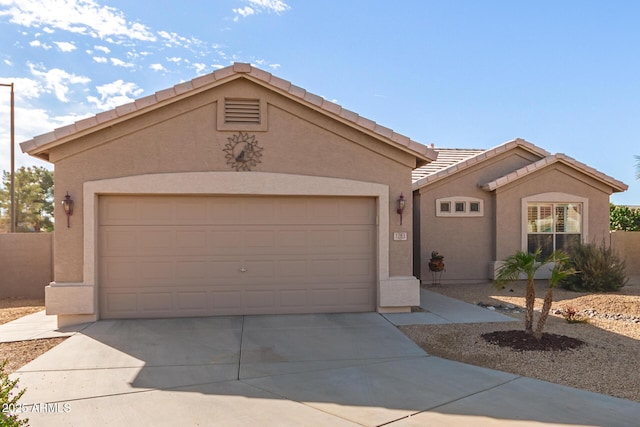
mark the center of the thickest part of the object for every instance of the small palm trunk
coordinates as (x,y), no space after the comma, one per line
(544,315)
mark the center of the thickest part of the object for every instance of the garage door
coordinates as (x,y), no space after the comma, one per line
(185,256)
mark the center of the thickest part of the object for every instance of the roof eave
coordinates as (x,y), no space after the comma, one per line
(615,185)
(41,145)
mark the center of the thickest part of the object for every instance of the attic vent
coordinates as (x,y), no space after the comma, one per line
(242,111)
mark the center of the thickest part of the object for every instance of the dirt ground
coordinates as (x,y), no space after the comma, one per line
(22,352)
(14,308)
(607,364)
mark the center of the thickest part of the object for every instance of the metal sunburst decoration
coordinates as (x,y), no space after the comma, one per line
(243,151)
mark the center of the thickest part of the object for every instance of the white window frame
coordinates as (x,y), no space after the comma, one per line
(453,201)
(554,198)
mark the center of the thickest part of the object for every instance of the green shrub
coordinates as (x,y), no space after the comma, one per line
(599,269)
(9,400)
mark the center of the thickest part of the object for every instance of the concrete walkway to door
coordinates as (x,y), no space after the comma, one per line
(309,370)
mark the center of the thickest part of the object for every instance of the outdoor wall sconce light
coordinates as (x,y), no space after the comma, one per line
(401,203)
(67,205)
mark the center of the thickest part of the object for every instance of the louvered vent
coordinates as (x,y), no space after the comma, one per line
(242,111)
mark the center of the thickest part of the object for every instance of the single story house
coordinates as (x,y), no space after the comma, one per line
(477,207)
(240,193)
(233,193)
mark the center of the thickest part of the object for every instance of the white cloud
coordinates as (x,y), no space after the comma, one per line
(115,94)
(38,43)
(274,66)
(48,30)
(58,81)
(157,67)
(8,62)
(100,59)
(244,12)
(199,67)
(24,89)
(102,49)
(77,16)
(65,46)
(175,59)
(174,39)
(259,6)
(120,63)
(277,6)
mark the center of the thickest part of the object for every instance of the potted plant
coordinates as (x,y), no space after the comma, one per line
(436,263)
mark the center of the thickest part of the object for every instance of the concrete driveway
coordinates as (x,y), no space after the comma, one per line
(315,370)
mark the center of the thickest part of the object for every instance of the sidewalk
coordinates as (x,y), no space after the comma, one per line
(36,326)
(443,310)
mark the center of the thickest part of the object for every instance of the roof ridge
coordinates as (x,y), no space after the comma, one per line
(477,158)
(549,160)
(202,83)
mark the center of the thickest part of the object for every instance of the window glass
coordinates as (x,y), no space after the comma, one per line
(460,206)
(553,226)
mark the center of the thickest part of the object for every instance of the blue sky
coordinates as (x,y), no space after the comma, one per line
(564,75)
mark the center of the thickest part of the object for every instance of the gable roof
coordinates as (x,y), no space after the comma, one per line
(616,185)
(446,158)
(40,145)
(479,157)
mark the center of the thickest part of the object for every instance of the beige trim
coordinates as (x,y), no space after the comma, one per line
(554,198)
(616,186)
(479,158)
(236,183)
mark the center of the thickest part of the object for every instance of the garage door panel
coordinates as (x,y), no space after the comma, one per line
(192,301)
(360,269)
(225,301)
(155,302)
(120,303)
(235,255)
(289,269)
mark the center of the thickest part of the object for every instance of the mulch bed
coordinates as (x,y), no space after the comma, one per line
(520,340)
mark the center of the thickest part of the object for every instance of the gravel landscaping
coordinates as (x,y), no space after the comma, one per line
(20,353)
(607,363)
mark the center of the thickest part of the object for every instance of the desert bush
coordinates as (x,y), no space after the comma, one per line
(9,400)
(599,269)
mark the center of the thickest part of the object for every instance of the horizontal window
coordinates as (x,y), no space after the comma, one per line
(459,206)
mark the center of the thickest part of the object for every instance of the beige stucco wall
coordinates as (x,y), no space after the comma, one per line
(557,178)
(25,264)
(627,244)
(184,137)
(468,244)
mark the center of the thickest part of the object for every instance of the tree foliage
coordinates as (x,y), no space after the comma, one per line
(624,218)
(523,264)
(600,269)
(33,198)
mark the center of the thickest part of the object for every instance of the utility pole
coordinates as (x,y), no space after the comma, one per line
(13,162)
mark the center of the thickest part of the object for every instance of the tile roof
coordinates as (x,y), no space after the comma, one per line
(39,145)
(474,158)
(446,158)
(616,185)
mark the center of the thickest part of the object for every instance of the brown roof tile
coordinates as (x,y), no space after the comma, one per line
(42,143)
(454,160)
(616,185)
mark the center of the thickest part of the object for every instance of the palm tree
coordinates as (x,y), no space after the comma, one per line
(558,273)
(527,264)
